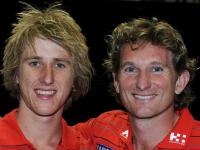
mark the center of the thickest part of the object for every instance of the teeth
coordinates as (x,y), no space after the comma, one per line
(143,97)
(41,92)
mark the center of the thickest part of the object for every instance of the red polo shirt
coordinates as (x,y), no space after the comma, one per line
(12,138)
(112,131)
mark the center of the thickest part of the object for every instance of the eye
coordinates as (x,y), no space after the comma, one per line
(157,69)
(60,65)
(129,69)
(35,64)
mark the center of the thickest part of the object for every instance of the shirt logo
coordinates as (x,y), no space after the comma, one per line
(125,134)
(103,147)
(178,138)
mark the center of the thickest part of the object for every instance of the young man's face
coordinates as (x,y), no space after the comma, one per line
(147,81)
(45,77)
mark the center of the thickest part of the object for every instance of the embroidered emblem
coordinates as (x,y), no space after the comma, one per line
(125,134)
(177,138)
(103,147)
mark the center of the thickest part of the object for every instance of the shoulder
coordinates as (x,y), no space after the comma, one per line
(114,114)
(189,123)
(114,117)
(8,120)
(73,139)
(108,129)
(194,139)
(111,120)
(196,129)
(9,129)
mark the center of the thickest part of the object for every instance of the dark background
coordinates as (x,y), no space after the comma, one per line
(98,18)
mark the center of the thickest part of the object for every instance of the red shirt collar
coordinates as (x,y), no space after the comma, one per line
(11,134)
(179,135)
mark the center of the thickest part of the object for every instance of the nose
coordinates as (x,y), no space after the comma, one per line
(143,81)
(47,75)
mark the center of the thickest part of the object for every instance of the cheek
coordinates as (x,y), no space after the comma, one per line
(65,88)
(25,77)
(165,83)
(66,81)
(25,82)
(25,73)
(126,83)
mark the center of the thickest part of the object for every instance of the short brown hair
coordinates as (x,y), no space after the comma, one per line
(160,33)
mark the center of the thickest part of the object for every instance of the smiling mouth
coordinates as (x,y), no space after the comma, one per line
(143,97)
(45,92)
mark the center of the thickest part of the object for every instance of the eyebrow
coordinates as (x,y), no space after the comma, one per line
(69,61)
(159,64)
(156,63)
(55,59)
(126,63)
(151,63)
(32,57)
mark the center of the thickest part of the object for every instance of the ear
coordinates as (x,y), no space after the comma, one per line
(182,81)
(115,82)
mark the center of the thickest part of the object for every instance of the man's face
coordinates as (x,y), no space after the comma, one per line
(45,78)
(147,81)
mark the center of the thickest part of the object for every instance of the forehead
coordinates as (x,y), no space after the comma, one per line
(45,48)
(145,53)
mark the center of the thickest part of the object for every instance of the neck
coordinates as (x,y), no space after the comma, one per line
(41,131)
(148,132)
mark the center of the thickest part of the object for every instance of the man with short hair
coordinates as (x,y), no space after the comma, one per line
(152,74)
